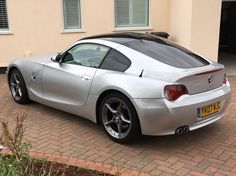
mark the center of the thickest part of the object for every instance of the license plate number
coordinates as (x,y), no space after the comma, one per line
(205,111)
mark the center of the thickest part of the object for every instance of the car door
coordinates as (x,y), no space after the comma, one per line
(66,84)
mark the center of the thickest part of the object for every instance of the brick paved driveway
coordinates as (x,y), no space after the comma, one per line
(208,151)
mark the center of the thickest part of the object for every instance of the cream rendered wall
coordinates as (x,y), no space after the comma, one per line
(180,21)
(37,25)
(196,24)
(206,27)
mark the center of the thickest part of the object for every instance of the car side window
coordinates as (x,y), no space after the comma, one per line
(89,55)
(115,61)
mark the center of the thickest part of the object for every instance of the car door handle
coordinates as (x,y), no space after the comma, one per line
(85,77)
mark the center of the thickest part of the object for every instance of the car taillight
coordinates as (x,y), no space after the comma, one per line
(173,92)
(225,79)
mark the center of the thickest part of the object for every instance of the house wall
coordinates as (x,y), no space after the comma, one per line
(205,29)
(196,25)
(180,21)
(37,26)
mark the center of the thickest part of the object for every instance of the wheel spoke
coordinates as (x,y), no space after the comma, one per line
(109,122)
(125,120)
(13,84)
(111,109)
(14,93)
(16,79)
(19,92)
(119,129)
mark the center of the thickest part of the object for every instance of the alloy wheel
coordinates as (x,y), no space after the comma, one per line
(16,86)
(116,118)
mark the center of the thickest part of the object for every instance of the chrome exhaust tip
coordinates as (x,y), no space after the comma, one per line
(179,131)
(186,130)
(182,130)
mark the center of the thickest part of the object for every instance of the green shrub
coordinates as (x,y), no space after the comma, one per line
(9,166)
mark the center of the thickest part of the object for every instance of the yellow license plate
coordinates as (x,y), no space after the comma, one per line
(208,110)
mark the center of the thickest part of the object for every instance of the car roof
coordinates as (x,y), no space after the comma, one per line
(125,37)
(155,47)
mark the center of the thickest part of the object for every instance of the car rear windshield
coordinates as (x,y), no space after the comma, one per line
(167,52)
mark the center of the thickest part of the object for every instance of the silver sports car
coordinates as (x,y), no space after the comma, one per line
(130,83)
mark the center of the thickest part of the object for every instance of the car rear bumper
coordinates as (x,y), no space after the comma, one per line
(162,117)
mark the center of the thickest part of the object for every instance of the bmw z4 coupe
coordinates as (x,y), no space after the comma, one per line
(130,83)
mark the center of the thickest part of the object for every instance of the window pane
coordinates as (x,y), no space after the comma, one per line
(115,61)
(122,13)
(132,13)
(140,12)
(3,15)
(89,55)
(167,52)
(72,14)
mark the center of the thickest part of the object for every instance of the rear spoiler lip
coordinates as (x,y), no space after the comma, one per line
(208,72)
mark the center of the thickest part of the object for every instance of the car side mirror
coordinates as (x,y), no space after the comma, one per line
(57,58)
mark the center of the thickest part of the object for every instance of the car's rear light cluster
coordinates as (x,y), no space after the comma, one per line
(173,92)
(225,79)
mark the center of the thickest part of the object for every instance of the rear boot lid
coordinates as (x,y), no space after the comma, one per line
(202,80)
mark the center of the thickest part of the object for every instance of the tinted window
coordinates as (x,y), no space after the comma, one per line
(115,61)
(167,52)
(89,55)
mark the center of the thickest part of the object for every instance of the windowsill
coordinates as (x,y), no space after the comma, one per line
(133,29)
(6,33)
(68,31)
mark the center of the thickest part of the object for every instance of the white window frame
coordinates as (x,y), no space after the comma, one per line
(130,28)
(6,31)
(81,20)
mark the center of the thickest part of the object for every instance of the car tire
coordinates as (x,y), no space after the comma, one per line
(18,88)
(119,118)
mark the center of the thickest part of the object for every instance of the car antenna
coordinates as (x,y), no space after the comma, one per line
(141,74)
